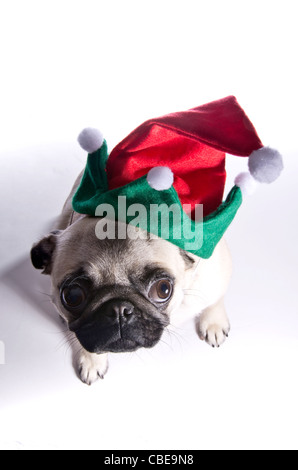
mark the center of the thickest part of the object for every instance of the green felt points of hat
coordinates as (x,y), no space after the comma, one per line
(94,182)
(141,205)
(217,223)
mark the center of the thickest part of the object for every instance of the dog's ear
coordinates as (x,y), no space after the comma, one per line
(43,251)
(188,259)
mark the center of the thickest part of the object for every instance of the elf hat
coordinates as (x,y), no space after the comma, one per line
(177,160)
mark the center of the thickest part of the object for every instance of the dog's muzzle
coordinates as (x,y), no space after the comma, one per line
(119,326)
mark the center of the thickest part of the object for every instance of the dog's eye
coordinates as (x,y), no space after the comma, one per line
(73,296)
(161,290)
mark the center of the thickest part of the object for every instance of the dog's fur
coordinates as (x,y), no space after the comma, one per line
(119,312)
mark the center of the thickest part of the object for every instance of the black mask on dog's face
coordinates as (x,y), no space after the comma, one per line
(118,318)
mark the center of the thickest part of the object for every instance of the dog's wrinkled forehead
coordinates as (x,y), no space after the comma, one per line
(112,260)
(116,261)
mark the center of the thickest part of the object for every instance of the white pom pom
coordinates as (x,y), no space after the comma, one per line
(90,139)
(160,178)
(265,165)
(246,183)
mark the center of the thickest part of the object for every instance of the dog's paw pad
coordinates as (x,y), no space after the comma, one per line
(92,367)
(214,334)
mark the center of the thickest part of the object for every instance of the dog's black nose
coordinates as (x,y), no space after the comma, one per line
(121,309)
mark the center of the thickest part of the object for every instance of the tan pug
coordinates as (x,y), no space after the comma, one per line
(119,295)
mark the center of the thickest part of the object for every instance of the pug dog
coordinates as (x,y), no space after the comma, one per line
(119,295)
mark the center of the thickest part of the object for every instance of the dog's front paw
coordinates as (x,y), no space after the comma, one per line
(213,326)
(215,335)
(92,367)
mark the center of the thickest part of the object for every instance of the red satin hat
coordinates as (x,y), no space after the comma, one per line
(193,145)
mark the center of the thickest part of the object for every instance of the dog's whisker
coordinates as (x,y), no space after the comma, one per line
(177,337)
(138,355)
(174,332)
(46,301)
(192,292)
(46,294)
(68,341)
(63,343)
(175,327)
(196,293)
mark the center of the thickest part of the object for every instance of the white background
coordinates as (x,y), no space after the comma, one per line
(112,64)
